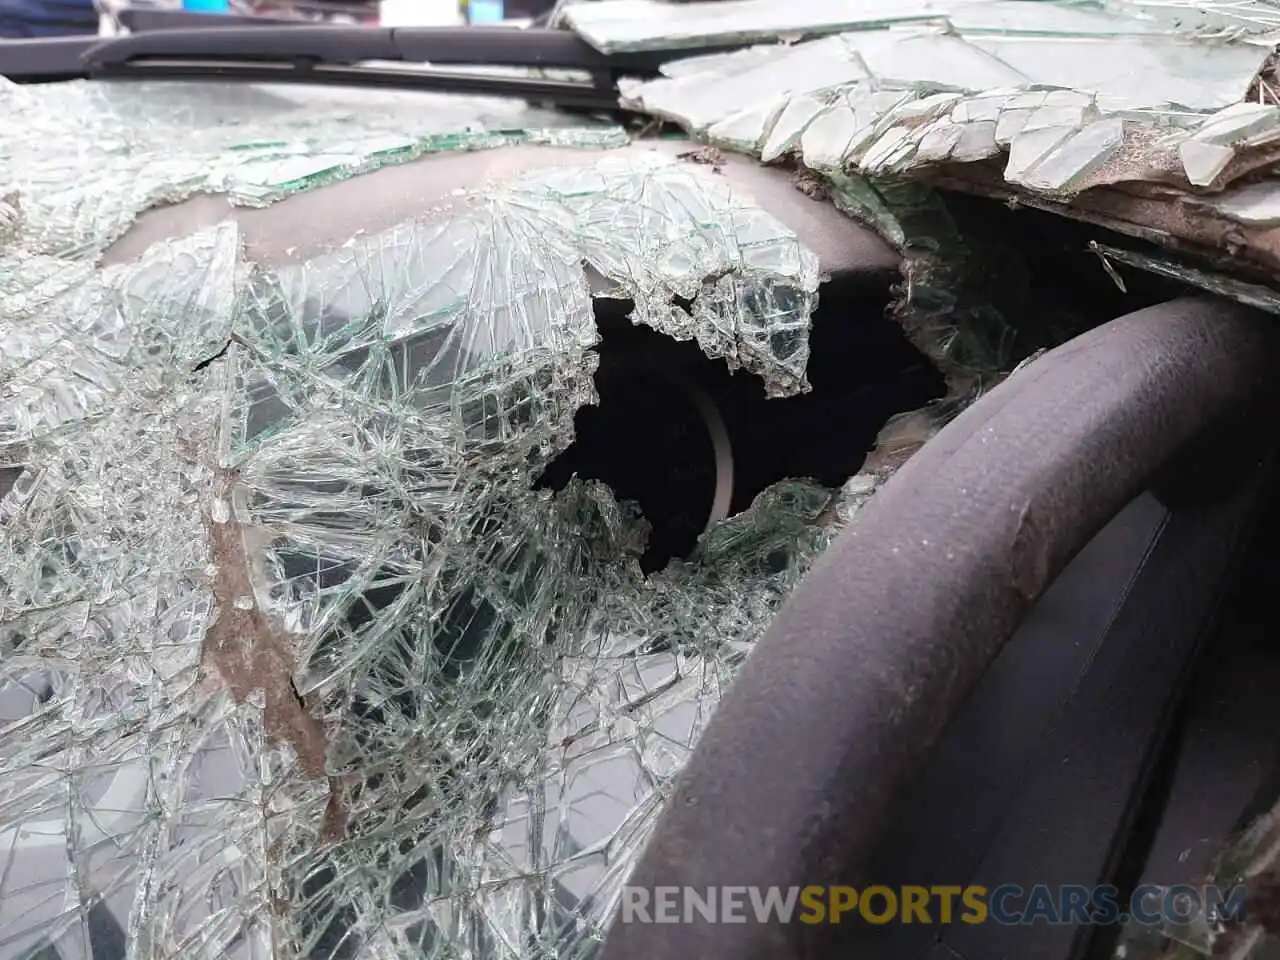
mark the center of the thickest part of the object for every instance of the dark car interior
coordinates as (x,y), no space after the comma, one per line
(1121,735)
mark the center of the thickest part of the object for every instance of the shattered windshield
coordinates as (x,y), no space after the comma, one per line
(298,656)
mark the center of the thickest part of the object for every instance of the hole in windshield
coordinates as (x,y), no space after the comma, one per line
(653,441)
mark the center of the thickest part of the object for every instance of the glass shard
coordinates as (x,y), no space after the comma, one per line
(1071,158)
(1203,162)
(1255,204)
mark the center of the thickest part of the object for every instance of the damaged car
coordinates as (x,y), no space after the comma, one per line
(453,477)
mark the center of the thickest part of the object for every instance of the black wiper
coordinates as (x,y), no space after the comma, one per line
(332,54)
(44,61)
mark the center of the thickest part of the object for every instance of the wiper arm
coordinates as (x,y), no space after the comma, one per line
(50,60)
(330,54)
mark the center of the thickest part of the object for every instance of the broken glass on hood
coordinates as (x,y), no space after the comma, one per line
(1046,103)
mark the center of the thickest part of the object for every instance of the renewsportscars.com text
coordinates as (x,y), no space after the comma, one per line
(1009,904)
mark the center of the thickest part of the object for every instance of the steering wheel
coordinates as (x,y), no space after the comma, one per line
(913,716)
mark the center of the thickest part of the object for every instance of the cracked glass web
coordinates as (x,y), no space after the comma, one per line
(293,660)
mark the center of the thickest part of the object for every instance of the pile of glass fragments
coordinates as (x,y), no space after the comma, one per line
(1175,105)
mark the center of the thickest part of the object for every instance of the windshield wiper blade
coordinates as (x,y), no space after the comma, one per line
(438,46)
(559,93)
(335,54)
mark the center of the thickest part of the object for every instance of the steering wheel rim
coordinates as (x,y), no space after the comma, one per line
(878,648)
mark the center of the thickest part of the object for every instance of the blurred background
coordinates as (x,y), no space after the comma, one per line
(27,19)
